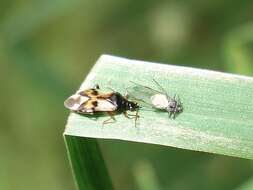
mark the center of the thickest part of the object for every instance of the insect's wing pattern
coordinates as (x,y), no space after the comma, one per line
(90,101)
(89,92)
(103,102)
(75,101)
(104,105)
(141,94)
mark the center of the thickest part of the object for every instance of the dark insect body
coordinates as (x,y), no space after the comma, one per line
(90,101)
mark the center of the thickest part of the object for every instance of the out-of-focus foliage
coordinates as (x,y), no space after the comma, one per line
(47,48)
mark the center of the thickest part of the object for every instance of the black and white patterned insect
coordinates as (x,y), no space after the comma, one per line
(91,101)
(158,99)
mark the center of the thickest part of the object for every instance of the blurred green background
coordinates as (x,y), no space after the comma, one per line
(48,47)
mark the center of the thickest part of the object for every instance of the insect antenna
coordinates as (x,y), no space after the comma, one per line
(161,88)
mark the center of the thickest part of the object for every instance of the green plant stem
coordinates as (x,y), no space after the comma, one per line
(87,164)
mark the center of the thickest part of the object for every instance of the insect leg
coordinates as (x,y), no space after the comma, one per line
(170,114)
(126,95)
(127,115)
(174,115)
(133,116)
(136,117)
(111,114)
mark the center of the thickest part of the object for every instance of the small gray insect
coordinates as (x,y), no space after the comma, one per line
(158,99)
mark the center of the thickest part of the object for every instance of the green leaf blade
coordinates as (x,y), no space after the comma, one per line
(87,164)
(217,116)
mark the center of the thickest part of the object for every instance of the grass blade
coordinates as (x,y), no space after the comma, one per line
(217,116)
(87,164)
(218,108)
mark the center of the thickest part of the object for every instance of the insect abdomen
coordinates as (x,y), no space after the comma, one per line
(159,101)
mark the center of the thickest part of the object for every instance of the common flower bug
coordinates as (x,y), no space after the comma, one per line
(158,99)
(91,100)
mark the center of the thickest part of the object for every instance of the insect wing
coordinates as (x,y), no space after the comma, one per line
(104,105)
(142,94)
(98,102)
(88,101)
(75,101)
